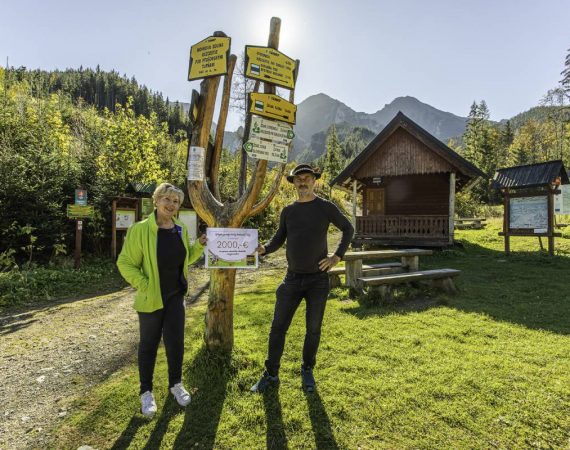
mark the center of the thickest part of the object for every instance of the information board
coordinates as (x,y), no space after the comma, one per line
(530,213)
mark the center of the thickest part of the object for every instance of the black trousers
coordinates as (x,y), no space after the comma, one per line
(167,322)
(314,288)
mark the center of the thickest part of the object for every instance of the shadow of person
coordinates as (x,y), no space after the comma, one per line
(124,440)
(276,437)
(169,410)
(207,377)
(324,436)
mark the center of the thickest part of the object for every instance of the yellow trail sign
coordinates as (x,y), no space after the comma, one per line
(270,65)
(272,107)
(209,58)
(78,211)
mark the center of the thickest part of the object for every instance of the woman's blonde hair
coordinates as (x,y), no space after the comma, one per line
(165,190)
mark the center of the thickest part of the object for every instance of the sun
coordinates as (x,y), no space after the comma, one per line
(291,26)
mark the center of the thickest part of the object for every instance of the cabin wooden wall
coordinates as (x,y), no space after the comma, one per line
(403,154)
(416,194)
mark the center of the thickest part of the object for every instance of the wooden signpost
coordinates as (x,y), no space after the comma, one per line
(79,211)
(205,194)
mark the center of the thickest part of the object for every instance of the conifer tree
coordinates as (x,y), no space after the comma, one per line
(333,161)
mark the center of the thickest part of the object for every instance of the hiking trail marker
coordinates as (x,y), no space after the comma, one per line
(270,65)
(272,107)
(78,211)
(269,139)
(209,58)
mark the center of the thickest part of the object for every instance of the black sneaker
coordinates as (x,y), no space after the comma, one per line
(265,382)
(308,379)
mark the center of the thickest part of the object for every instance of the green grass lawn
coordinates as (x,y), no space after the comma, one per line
(487,368)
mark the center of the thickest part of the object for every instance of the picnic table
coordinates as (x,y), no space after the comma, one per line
(409,258)
(382,277)
(470,222)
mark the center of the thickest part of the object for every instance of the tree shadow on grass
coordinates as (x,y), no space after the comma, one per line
(276,437)
(209,374)
(406,305)
(324,436)
(124,440)
(525,288)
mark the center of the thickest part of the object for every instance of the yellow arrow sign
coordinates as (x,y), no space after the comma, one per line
(209,58)
(269,65)
(272,107)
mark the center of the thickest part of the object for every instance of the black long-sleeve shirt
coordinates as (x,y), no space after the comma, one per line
(170,255)
(305,225)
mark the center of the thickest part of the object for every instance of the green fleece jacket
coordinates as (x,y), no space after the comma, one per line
(138,262)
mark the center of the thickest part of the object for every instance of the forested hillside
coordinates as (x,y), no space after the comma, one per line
(53,141)
(64,129)
(102,90)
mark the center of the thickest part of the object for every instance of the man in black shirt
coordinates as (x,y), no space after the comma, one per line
(304,225)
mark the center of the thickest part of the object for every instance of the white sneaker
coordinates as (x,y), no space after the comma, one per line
(180,394)
(148,405)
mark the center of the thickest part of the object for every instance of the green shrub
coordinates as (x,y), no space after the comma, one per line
(34,283)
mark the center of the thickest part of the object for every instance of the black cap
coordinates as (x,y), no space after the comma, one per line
(303,168)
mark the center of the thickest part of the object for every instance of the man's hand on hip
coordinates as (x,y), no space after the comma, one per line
(328,263)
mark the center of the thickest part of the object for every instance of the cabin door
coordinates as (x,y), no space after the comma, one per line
(375,201)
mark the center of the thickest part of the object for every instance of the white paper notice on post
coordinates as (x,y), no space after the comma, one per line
(196,157)
(231,248)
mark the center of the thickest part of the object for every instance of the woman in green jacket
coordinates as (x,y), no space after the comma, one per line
(154,260)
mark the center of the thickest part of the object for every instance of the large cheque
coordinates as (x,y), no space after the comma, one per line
(231,248)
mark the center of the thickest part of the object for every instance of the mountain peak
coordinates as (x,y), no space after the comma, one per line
(405,100)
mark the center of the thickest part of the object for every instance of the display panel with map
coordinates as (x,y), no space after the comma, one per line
(529,213)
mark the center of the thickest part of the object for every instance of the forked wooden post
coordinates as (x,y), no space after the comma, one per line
(210,207)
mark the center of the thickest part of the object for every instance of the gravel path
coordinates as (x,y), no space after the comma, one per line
(51,355)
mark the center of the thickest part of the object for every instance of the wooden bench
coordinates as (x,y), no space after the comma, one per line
(368,269)
(473,222)
(440,278)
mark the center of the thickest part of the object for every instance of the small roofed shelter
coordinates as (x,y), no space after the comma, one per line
(407,179)
(531,176)
(528,193)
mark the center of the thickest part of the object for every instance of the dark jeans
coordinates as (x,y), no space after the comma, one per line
(167,322)
(314,288)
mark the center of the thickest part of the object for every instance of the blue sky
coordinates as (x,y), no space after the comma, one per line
(364,53)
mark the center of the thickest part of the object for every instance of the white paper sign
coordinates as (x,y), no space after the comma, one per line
(231,248)
(196,156)
(562,200)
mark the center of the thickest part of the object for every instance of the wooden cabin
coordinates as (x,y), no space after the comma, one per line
(407,181)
